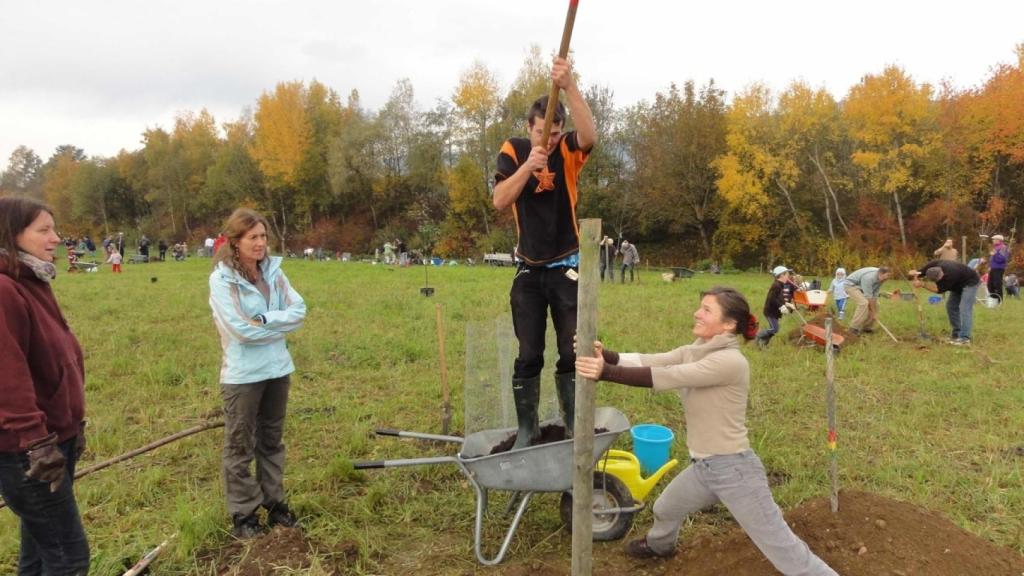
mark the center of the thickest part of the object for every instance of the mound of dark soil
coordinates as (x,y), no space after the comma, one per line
(281,551)
(548,434)
(870,535)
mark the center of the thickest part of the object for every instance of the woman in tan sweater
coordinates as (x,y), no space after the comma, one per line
(712,377)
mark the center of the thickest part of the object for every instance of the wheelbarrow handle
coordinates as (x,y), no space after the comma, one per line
(419,435)
(365,464)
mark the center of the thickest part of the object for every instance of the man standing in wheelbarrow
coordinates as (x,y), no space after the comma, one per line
(537,179)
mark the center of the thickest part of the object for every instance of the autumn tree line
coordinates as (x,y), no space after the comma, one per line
(891,169)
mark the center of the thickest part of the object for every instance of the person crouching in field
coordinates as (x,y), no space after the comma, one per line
(712,378)
(42,396)
(254,307)
(1012,286)
(863,287)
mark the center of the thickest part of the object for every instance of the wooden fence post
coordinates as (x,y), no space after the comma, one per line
(830,409)
(583,429)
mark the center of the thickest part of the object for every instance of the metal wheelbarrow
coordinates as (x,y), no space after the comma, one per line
(539,468)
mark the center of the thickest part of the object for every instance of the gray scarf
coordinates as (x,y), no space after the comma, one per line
(45,271)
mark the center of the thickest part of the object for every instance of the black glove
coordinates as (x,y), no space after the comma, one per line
(80,441)
(46,461)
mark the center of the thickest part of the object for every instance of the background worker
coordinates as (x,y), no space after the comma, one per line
(862,287)
(962,283)
(775,305)
(607,254)
(946,251)
(630,258)
(538,179)
(999,257)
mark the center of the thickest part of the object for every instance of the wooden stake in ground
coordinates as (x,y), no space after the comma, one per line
(830,409)
(446,417)
(563,52)
(583,428)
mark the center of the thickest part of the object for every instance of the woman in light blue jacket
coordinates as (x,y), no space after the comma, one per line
(254,307)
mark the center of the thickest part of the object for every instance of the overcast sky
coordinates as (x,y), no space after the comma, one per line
(96,74)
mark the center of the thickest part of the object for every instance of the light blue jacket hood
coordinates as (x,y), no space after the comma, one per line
(254,352)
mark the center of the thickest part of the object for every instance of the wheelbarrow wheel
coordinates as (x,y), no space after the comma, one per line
(609,492)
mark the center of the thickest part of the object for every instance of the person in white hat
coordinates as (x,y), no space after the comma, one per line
(999,257)
(775,305)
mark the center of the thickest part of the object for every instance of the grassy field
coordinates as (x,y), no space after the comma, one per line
(939,426)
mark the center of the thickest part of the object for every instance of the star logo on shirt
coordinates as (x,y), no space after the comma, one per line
(545,180)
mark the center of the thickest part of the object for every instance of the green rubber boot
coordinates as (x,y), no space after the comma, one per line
(526,392)
(565,385)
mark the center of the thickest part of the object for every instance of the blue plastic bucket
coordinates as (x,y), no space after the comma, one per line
(651,444)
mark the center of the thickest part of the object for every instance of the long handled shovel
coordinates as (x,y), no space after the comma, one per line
(921,334)
(894,339)
(563,52)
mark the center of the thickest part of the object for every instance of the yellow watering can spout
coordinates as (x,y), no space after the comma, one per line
(626,467)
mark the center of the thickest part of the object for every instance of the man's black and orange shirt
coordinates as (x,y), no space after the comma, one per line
(545,211)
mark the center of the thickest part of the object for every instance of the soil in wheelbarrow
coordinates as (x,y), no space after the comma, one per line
(870,536)
(548,434)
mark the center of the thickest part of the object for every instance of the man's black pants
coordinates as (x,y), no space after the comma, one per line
(534,290)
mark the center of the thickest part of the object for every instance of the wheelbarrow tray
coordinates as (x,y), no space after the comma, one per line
(817,335)
(541,468)
(810,297)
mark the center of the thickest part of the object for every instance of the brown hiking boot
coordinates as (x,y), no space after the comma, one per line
(640,549)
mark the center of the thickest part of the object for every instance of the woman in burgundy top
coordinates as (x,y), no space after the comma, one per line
(42,397)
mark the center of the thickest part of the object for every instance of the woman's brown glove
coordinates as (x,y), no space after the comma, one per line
(46,461)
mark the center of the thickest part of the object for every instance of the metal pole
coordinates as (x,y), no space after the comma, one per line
(446,417)
(830,408)
(583,429)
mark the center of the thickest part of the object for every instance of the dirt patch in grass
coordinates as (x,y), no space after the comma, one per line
(870,536)
(281,551)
